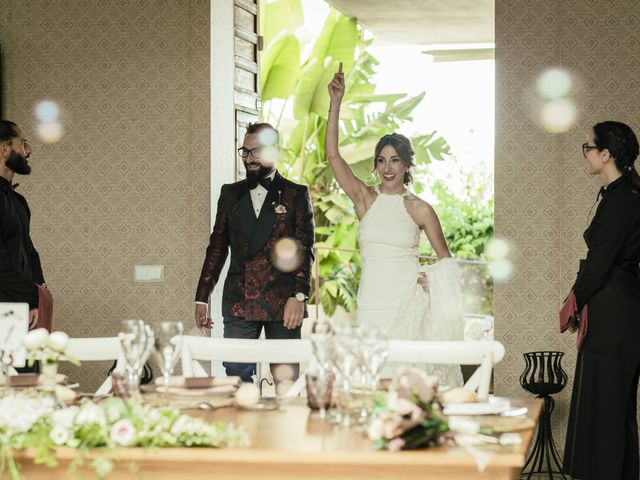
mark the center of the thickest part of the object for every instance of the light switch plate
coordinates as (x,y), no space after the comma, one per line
(148,273)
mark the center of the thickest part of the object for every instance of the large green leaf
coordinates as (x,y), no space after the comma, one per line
(280,67)
(279,16)
(336,43)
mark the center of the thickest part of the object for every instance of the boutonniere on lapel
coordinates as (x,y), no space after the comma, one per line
(280,208)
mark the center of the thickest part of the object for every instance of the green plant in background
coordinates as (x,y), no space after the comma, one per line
(295,101)
(467,223)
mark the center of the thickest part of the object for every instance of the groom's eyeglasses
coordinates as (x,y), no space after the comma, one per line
(586,147)
(244,152)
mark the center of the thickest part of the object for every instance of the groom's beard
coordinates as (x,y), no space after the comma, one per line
(18,163)
(259,174)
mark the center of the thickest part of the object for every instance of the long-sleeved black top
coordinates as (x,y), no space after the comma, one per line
(613,240)
(20,267)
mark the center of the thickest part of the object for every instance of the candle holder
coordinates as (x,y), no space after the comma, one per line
(543,376)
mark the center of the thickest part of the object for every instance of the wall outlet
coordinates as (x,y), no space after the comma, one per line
(148,273)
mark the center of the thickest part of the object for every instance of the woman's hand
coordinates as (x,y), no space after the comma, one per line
(423,281)
(336,87)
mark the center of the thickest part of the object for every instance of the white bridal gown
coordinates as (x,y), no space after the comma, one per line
(389,297)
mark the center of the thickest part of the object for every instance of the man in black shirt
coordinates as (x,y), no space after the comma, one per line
(20,269)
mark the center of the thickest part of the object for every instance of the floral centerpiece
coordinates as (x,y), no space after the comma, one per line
(410,415)
(30,421)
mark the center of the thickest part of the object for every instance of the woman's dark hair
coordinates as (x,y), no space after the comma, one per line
(8,131)
(619,139)
(403,146)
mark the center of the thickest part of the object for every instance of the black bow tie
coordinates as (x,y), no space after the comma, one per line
(253,182)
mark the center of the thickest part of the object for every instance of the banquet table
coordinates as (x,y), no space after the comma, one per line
(292,442)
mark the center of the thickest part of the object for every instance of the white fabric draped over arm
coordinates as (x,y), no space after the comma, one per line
(436,314)
(444,321)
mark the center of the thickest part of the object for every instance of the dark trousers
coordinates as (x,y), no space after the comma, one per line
(235,327)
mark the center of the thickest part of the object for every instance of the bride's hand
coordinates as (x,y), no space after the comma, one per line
(423,281)
(336,87)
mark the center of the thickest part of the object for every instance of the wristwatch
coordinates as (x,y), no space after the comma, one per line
(301,297)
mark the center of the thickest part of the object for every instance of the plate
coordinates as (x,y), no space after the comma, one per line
(263,405)
(494,406)
(221,391)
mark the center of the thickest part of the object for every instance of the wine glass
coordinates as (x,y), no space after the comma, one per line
(344,360)
(374,353)
(136,340)
(168,346)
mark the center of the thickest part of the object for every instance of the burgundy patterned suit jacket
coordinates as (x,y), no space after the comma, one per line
(254,289)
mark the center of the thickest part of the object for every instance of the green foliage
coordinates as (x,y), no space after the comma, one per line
(467,222)
(296,102)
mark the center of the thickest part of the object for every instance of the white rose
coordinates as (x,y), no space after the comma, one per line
(248,395)
(58,341)
(59,435)
(123,433)
(403,406)
(35,339)
(65,416)
(375,430)
(90,413)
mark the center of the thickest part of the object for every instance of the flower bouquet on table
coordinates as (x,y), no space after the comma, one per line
(29,421)
(410,415)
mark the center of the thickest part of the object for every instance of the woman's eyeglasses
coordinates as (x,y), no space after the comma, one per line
(586,147)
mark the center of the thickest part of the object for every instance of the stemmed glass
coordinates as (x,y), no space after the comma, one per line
(168,346)
(374,353)
(137,340)
(344,360)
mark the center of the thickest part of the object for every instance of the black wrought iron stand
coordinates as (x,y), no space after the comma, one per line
(543,376)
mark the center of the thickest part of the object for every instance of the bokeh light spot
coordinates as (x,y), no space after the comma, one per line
(268,137)
(286,255)
(50,132)
(554,83)
(558,116)
(497,249)
(47,111)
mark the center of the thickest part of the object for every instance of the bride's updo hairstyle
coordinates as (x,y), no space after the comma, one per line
(403,146)
(619,139)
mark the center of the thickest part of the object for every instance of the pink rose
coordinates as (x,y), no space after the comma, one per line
(396,444)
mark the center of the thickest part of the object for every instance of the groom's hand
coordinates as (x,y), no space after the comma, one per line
(293,313)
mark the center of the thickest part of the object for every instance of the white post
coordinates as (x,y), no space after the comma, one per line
(223,155)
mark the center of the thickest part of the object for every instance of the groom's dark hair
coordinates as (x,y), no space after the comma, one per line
(403,146)
(259,126)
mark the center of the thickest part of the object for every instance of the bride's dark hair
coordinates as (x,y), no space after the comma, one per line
(403,146)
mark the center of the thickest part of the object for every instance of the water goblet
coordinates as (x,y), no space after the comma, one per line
(134,339)
(168,346)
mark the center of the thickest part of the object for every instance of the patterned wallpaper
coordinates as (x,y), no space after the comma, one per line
(543,194)
(129,182)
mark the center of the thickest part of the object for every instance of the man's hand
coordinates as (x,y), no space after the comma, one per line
(293,313)
(33,318)
(202,319)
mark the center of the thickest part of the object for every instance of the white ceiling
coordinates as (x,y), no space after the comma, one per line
(423,22)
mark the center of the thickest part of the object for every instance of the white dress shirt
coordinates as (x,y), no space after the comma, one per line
(258,195)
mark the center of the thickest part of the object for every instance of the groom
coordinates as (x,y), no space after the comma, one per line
(254,216)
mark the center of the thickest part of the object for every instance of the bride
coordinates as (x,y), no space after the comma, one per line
(396,294)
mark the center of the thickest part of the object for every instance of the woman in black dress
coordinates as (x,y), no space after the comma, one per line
(602,435)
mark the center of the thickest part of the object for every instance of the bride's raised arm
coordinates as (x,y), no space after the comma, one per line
(348,181)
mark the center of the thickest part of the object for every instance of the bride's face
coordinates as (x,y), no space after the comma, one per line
(390,167)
